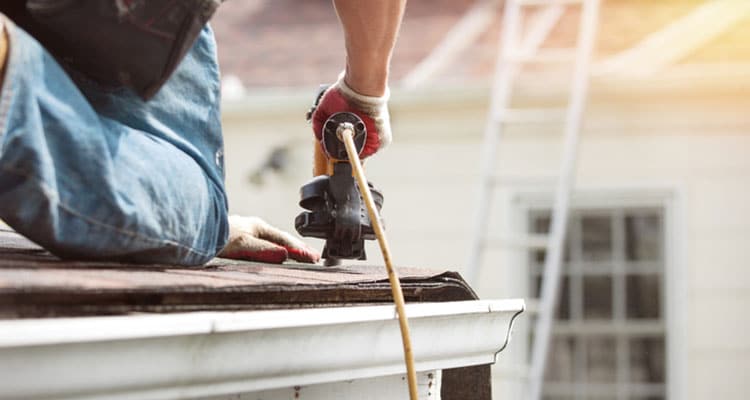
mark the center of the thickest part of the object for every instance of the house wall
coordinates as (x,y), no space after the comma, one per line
(694,146)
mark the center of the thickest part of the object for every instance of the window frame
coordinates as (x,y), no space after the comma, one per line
(670,199)
(615,326)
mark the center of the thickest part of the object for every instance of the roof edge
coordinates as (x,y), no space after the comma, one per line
(211,354)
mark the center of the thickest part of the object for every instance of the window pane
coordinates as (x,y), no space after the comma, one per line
(601,359)
(596,238)
(585,361)
(643,300)
(561,365)
(644,239)
(597,297)
(647,360)
(540,224)
(538,256)
(563,307)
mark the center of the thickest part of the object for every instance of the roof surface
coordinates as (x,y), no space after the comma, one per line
(35,283)
(298,43)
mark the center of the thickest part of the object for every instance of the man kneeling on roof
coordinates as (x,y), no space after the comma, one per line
(110,136)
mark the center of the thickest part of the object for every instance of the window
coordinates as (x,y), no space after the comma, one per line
(608,337)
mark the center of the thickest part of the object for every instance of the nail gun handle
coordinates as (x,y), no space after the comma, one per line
(321,164)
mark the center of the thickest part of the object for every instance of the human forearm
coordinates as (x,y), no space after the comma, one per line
(370,30)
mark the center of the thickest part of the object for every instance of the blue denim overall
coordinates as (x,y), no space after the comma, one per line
(95,173)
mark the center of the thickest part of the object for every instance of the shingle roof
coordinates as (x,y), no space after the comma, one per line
(298,43)
(293,43)
(34,283)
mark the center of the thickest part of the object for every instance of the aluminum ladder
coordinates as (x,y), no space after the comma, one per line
(514,53)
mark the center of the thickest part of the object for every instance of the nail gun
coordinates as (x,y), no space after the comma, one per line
(336,211)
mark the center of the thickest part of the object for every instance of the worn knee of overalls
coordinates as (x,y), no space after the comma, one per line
(97,173)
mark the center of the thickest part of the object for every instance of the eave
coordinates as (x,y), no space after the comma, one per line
(217,353)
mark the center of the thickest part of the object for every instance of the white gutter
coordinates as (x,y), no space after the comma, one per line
(218,353)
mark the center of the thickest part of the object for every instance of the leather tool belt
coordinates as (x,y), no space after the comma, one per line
(121,43)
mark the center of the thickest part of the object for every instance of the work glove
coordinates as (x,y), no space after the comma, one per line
(372,110)
(252,239)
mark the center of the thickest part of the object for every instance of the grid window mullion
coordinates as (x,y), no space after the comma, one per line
(623,367)
(618,302)
(619,267)
(581,365)
(611,259)
(574,267)
(575,292)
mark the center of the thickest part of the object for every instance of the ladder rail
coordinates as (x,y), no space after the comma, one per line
(501,89)
(553,260)
(504,74)
(512,55)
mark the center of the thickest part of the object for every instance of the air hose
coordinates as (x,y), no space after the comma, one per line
(345,132)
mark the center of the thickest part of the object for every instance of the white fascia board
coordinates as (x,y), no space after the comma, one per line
(216,353)
(393,387)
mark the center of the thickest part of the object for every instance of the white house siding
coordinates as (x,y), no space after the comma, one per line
(693,146)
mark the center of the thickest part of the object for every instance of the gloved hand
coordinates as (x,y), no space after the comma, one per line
(252,239)
(373,111)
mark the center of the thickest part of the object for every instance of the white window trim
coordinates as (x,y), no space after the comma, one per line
(671,198)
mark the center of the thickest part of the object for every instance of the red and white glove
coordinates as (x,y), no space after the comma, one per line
(372,110)
(252,239)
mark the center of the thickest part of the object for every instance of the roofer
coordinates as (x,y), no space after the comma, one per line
(93,170)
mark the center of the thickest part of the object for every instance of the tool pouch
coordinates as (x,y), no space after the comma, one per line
(121,43)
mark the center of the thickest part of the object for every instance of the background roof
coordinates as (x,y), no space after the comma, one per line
(291,43)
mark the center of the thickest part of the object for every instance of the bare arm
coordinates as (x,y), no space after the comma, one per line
(370,30)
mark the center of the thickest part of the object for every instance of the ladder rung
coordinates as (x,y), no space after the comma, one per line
(531,115)
(547,56)
(506,180)
(531,241)
(547,2)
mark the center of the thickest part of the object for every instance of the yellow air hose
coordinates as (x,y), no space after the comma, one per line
(345,133)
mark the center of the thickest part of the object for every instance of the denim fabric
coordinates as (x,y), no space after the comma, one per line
(95,173)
